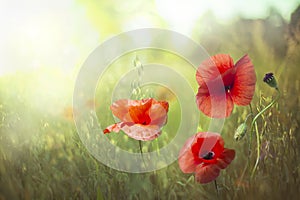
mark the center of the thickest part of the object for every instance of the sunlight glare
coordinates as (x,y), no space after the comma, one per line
(58,35)
(181,14)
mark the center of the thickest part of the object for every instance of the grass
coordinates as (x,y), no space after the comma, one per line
(42,157)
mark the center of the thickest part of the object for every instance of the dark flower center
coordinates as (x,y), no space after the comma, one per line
(145,120)
(145,123)
(227,88)
(208,156)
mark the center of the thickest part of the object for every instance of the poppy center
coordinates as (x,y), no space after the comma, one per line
(208,156)
(227,88)
(145,120)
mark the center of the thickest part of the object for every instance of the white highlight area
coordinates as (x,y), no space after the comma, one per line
(37,34)
(183,14)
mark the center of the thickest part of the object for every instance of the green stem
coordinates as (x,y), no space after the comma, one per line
(258,149)
(217,189)
(250,138)
(141,147)
(256,129)
(141,150)
(248,117)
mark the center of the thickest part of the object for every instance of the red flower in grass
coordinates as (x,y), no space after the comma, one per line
(237,88)
(204,154)
(140,119)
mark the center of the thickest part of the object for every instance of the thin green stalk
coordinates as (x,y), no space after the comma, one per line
(141,150)
(141,147)
(250,137)
(256,130)
(217,189)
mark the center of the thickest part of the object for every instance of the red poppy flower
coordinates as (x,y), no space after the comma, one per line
(140,119)
(238,85)
(204,154)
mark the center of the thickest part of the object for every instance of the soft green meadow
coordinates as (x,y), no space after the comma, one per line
(42,157)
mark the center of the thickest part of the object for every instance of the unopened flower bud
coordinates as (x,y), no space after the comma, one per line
(270,80)
(240,132)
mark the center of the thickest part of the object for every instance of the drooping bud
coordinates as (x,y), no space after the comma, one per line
(270,80)
(240,132)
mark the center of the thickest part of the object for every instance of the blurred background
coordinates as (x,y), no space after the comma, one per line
(43,44)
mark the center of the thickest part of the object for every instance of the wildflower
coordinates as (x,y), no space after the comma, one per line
(238,85)
(140,119)
(270,80)
(204,154)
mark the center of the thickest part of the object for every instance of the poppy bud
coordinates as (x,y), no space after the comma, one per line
(240,132)
(270,80)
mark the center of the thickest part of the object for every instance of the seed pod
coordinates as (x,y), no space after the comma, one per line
(240,132)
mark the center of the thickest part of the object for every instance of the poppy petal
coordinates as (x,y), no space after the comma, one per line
(228,77)
(120,109)
(225,158)
(113,128)
(206,173)
(141,132)
(213,67)
(164,104)
(222,107)
(158,113)
(186,160)
(138,110)
(244,84)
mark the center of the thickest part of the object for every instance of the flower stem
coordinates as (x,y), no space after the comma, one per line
(251,114)
(250,137)
(141,150)
(256,129)
(141,146)
(216,186)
